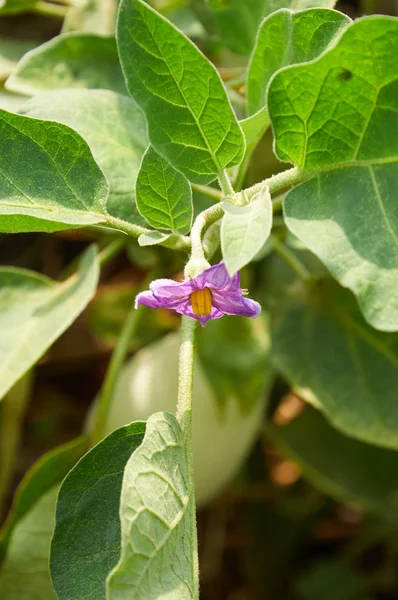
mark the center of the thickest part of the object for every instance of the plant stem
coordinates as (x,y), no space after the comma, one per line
(185,381)
(291,259)
(112,374)
(202,223)
(48,9)
(280,181)
(184,417)
(182,241)
(225,184)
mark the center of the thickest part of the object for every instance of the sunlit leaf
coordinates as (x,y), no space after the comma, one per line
(70,60)
(35,311)
(288,38)
(164,195)
(245,229)
(190,120)
(345,123)
(113,126)
(158,520)
(48,177)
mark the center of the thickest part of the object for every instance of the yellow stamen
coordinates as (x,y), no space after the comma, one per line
(201,302)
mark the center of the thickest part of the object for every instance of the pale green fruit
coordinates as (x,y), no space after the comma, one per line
(221,438)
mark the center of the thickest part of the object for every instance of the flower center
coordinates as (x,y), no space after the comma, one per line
(201,302)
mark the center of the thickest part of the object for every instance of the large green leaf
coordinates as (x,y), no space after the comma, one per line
(158,520)
(50,469)
(34,311)
(346,124)
(349,219)
(349,111)
(245,229)
(287,38)
(48,177)
(86,542)
(164,195)
(329,354)
(190,119)
(25,574)
(113,126)
(340,466)
(69,60)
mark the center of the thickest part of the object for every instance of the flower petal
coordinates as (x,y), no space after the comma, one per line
(168,288)
(235,304)
(217,277)
(149,299)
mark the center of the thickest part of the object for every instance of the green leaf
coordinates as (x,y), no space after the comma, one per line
(335,361)
(11,51)
(48,177)
(254,128)
(25,573)
(349,219)
(349,111)
(191,122)
(35,311)
(10,7)
(50,469)
(245,229)
(114,127)
(153,237)
(158,520)
(272,6)
(346,125)
(344,468)
(86,541)
(164,195)
(237,22)
(234,352)
(287,38)
(69,60)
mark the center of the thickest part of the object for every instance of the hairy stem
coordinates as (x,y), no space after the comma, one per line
(184,417)
(225,184)
(202,223)
(280,181)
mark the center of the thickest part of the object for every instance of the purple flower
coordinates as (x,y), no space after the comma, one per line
(210,295)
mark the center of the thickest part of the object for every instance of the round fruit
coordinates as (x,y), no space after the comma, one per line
(221,438)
